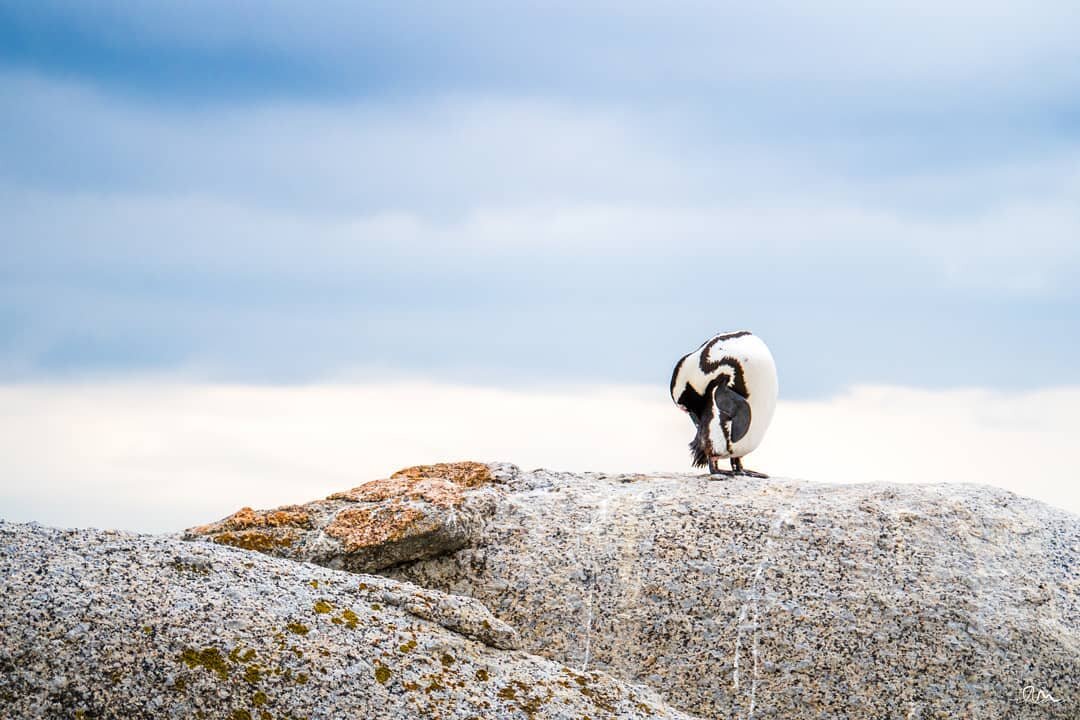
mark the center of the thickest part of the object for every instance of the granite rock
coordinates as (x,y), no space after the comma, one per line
(418,512)
(778,598)
(113,625)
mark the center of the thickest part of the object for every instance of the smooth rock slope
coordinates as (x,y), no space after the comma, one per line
(736,598)
(113,625)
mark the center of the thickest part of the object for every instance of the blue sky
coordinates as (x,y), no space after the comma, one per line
(498,194)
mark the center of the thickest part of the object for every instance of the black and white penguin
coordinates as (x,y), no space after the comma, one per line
(728,386)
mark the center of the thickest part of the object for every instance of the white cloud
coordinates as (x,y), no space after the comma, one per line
(162,455)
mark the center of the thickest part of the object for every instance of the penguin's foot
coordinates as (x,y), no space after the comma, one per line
(733,474)
(715,471)
(738,469)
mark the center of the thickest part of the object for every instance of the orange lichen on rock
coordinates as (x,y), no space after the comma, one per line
(417,512)
(466,474)
(245,518)
(359,528)
(442,484)
(373,491)
(437,492)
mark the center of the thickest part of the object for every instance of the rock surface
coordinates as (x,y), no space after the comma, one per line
(418,512)
(768,598)
(113,625)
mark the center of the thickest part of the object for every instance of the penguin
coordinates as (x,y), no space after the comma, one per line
(728,387)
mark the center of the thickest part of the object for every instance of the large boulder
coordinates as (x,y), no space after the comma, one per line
(755,598)
(415,513)
(112,625)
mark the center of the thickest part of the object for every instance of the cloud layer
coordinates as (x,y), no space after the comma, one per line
(508,194)
(525,239)
(774,48)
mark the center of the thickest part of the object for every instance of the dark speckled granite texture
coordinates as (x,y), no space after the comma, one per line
(784,599)
(747,598)
(113,626)
(775,598)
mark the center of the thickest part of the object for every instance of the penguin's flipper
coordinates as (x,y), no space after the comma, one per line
(731,406)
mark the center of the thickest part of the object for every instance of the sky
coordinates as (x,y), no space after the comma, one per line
(540,200)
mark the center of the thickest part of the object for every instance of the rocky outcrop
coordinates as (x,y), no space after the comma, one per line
(758,598)
(416,513)
(113,625)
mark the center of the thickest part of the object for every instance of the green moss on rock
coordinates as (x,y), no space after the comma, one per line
(209,658)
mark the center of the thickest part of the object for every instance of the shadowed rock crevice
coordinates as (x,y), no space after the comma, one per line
(757,598)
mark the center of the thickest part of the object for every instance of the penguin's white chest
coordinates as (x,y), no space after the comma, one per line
(762,388)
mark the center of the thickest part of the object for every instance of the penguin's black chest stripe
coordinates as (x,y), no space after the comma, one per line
(675,373)
(738,379)
(705,364)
